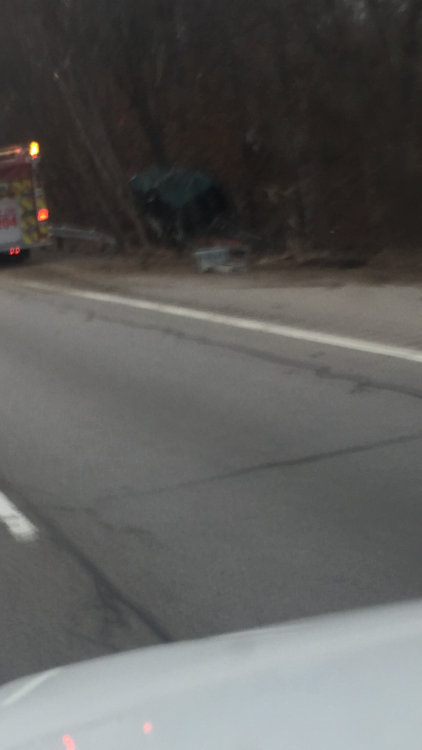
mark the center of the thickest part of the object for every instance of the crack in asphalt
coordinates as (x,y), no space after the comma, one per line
(112,600)
(287,463)
(362,382)
(281,464)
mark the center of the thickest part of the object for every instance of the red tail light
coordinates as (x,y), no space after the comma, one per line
(14,251)
(43,214)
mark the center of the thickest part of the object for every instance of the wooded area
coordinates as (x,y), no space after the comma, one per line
(309,113)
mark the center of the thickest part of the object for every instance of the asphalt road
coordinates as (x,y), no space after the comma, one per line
(186,479)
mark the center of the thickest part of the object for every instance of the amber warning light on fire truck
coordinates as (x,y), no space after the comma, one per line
(23,208)
(34,149)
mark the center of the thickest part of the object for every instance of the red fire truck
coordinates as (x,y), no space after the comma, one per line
(23,208)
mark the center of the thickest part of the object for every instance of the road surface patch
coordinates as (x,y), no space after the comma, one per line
(246,324)
(18,524)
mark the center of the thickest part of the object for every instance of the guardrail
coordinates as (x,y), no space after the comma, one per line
(77,233)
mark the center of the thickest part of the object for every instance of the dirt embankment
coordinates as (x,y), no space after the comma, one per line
(79,263)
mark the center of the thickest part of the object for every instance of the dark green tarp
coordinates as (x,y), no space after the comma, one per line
(175,187)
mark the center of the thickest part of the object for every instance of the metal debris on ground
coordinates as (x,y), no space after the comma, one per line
(222,259)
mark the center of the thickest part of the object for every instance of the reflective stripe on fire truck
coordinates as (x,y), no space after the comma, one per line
(20,187)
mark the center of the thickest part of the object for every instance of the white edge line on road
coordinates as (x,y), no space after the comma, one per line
(19,526)
(28,687)
(248,324)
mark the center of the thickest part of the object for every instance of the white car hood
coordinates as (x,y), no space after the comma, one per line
(344,682)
